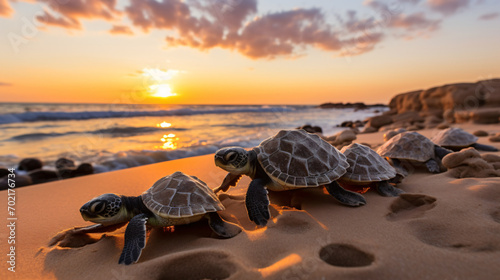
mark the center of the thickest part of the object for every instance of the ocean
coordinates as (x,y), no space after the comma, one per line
(118,136)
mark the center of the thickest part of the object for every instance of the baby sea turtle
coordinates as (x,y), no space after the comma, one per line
(413,146)
(176,199)
(291,159)
(455,139)
(366,169)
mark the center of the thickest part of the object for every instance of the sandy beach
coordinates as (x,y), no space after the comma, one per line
(136,98)
(442,228)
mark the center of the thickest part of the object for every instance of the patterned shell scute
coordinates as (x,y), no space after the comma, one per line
(296,158)
(365,165)
(408,146)
(454,137)
(179,195)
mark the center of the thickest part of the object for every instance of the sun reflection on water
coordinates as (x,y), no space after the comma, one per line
(164,124)
(169,141)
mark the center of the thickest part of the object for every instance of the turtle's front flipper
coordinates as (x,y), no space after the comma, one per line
(229,181)
(222,228)
(257,202)
(482,147)
(344,196)
(135,239)
(433,166)
(441,152)
(97,228)
(386,189)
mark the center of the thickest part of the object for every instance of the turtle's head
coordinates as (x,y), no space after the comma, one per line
(234,160)
(104,209)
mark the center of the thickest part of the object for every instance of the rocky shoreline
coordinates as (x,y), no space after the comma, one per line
(441,106)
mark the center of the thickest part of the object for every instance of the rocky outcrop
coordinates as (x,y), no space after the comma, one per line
(454,103)
(357,105)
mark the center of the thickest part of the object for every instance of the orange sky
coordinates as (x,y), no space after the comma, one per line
(267,53)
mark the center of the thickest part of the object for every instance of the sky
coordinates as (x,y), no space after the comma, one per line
(242,51)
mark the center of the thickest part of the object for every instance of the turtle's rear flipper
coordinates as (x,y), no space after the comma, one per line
(386,189)
(482,147)
(433,166)
(344,196)
(229,181)
(257,202)
(222,228)
(135,240)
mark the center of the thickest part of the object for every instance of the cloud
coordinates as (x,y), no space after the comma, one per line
(5,9)
(407,26)
(447,7)
(68,13)
(121,30)
(489,16)
(414,22)
(2,84)
(236,24)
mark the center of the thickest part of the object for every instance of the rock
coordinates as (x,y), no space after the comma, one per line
(432,121)
(443,126)
(65,167)
(449,116)
(485,116)
(343,138)
(43,176)
(388,135)
(379,121)
(356,106)
(409,117)
(369,129)
(359,123)
(64,163)
(355,130)
(414,128)
(83,169)
(4,172)
(495,138)
(311,129)
(491,158)
(480,133)
(346,136)
(30,164)
(453,102)
(346,124)
(20,181)
(462,116)
(469,163)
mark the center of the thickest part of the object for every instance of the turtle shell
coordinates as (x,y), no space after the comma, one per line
(408,146)
(454,137)
(365,165)
(296,158)
(179,195)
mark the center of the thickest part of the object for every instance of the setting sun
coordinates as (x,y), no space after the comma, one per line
(159,81)
(163,90)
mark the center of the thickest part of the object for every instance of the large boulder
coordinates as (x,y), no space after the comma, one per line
(485,116)
(462,102)
(379,121)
